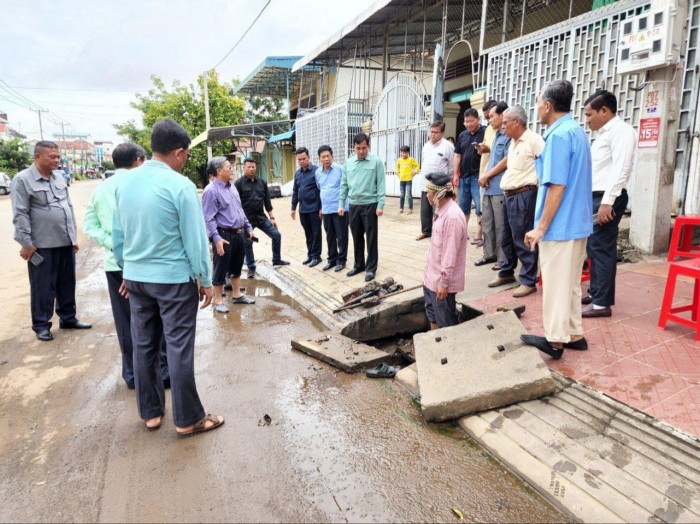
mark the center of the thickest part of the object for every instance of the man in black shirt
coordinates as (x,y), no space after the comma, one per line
(307,196)
(467,162)
(255,198)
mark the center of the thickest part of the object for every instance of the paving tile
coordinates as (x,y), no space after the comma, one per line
(681,410)
(635,383)
(679,357)
(639,280)
(624,339)
(649,322)
(579,364)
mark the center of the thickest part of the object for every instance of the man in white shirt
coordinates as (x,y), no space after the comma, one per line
(437,157)
(613,157)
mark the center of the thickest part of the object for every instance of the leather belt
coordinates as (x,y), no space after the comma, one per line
(511,192)
(231,230)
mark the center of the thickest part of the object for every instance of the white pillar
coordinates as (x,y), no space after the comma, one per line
(652,197)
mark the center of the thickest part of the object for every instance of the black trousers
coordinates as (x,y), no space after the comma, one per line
(518,219)
(337,238)
(311,223)
(602,250)
(121,311)
(363,223)
(52,285)
(170,309)
(426,215)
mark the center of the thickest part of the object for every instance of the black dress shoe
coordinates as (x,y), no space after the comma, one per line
(315,262)
(280,263)
(369,276)
(76,325)
(339,267)
(543,345)
(307,261)
(328,266)
(44,336)
(586,299)
(355,271)
(580,345)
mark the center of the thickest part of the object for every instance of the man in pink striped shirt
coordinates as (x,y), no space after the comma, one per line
(443,277)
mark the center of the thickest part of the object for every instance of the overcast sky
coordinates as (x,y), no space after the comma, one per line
(85,60)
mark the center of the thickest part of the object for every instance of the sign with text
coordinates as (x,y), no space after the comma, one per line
(649,132)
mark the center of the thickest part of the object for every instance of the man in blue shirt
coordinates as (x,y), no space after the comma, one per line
(328,178)
(563,220)
(160,241)
(492,203)
(308,197)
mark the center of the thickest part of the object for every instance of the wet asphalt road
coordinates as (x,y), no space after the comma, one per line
(339,448)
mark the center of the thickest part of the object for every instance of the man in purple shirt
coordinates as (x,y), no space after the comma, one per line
(227,227)
(444,270)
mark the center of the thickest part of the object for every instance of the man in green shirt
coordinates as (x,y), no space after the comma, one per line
(97,225)
(364,186)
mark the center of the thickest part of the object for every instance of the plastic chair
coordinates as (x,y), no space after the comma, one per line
(689,268)
(682,238)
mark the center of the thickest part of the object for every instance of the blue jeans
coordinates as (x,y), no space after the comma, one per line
(272,232)
(407,193)
(468,192)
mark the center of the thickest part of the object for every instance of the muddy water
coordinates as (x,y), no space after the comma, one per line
(337,447)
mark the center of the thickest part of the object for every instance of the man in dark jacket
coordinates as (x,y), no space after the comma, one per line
(308,196)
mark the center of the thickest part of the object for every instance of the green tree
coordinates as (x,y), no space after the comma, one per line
(266,108)
(185,104)
(14,156)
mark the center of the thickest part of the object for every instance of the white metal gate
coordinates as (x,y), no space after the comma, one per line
(400,119)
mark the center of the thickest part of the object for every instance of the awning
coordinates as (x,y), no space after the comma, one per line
(263,130)
(274,77)
(282,137)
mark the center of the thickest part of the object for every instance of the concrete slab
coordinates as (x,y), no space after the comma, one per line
(478,365)
(397,314)
(516,307)
(408,378)
(340,351)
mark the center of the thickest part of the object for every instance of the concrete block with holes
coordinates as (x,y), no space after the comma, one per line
(478,365)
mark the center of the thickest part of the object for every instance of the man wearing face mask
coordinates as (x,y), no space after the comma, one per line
(443,277)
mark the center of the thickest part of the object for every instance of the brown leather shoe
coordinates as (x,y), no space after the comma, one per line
(591,312)
(523,291)
(501,281)
(586,299)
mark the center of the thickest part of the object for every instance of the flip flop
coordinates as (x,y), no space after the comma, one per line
(157,427)
(201,426)
(382,371)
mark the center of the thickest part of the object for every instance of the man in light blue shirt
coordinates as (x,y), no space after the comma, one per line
(563,220)
(328,178)
(160,241)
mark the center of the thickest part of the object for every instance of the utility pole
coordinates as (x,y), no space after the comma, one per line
(65,146)
(207,122)
(41,129)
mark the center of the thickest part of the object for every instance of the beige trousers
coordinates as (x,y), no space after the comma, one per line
(561,264)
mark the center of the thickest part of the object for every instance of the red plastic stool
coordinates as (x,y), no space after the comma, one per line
(682,238)
(585,273)
(688,268)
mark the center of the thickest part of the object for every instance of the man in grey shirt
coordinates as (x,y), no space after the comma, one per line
(45,228)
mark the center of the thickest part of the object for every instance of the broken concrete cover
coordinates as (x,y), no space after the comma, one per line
(401,313)
(478,365)
(340,351)
(408,378)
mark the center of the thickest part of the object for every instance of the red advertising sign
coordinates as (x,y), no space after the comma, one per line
(649,132)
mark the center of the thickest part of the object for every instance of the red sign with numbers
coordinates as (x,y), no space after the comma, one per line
(649,132)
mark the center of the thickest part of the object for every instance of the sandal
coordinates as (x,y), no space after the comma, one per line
(382,371)
(485,260)
(157,426)
(201,426)
(478,242)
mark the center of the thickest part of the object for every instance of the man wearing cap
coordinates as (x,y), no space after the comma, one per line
(443,277)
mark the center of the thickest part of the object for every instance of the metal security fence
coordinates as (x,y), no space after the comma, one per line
(582,51)
(328,126)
